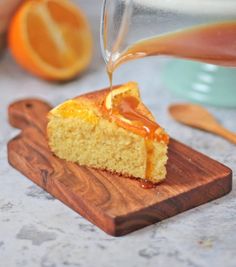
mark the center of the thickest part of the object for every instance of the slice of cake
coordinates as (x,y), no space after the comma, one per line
(110,130)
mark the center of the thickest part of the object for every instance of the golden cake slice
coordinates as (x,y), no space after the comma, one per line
(110,130)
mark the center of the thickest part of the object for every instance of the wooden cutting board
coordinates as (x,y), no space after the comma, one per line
(2,42)
(116,204)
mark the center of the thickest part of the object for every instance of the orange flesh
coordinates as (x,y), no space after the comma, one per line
(42,41)
(41,48)
(60,13)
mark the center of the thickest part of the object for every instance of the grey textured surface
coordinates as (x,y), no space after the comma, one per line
(37,230)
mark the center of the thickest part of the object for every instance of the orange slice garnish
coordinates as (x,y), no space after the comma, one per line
(113,97)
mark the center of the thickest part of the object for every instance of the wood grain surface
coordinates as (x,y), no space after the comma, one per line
(2,42)
(116,204)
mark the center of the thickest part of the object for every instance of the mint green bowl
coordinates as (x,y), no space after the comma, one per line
(201,83)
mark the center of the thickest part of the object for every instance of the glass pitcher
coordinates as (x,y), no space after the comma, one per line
(179,28)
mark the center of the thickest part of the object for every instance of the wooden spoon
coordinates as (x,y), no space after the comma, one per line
(198,117)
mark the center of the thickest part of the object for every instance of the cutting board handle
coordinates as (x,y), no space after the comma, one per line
(29,112)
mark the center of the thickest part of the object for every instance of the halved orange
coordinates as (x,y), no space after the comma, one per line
(51,39)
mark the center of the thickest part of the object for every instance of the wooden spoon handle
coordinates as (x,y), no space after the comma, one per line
(27,112)
(226,134)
